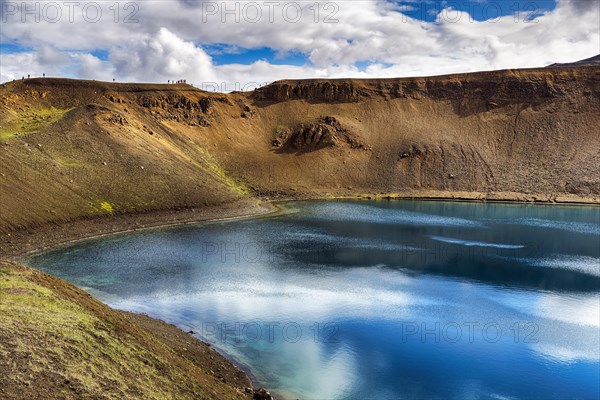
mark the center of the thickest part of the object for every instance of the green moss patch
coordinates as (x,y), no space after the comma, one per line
(106,206)
(31,122)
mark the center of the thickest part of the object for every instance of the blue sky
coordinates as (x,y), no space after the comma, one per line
(225,54)
(12,47)
(480,10)
(365,38)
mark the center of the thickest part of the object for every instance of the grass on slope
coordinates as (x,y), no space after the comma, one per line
(31,122)
(214,168)
(53,344)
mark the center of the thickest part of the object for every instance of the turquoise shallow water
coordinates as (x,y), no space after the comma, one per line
(379,299)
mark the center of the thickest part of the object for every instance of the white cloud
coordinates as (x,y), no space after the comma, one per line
(91,67)
(164,43)
(161,57)
(11,66)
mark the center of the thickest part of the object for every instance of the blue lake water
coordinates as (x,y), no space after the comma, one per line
(377,299)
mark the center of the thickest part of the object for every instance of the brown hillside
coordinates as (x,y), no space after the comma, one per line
(78,149)
(532,132)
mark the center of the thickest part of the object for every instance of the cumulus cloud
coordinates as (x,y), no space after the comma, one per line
(582,6)
(91,67)
(161,57)
(163,40)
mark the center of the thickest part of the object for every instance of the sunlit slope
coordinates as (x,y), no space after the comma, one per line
(99,153)
(73,149)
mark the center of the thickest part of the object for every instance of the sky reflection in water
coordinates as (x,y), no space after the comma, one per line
(376,299)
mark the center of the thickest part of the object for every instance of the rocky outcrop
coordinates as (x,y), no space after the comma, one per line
(181,108)
(262,394)
(116,119)
(469,93)
(326,132)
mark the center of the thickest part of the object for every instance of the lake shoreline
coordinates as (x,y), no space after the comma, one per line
(21,244)
(32,240)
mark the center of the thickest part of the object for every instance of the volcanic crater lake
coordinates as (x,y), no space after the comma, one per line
(373,299)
